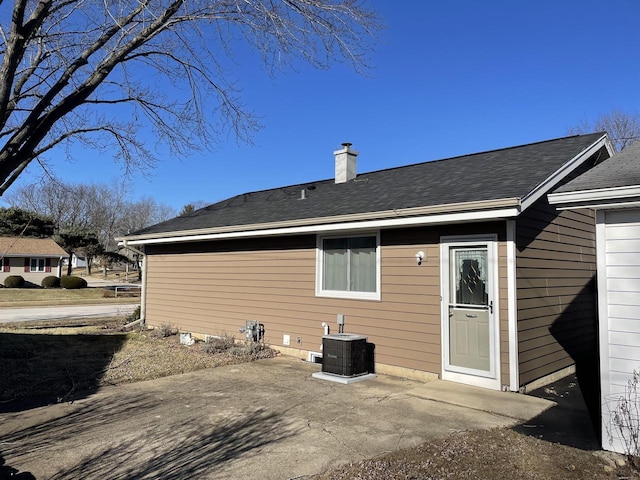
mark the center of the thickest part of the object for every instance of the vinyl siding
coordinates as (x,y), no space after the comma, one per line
(619,281)
(214,287)
(555,268)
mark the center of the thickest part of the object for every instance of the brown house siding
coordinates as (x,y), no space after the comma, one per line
(214,287)
(556,267)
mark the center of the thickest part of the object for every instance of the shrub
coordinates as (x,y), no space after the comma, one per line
(72,282)
(14,281)
(163,331)
(50,282)
(249,349)
(135,315)
(220,344)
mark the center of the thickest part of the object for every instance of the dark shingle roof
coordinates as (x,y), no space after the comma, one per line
(507,173)
(621,170)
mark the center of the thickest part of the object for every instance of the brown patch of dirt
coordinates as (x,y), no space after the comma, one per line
(492,454)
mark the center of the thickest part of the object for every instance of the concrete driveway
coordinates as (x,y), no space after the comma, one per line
(264,420)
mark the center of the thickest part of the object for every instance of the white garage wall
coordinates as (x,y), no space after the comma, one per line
(618,240)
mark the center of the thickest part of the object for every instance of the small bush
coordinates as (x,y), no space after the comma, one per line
(163,331)
(14,281)
(218,344)
(72,282)
(135,315)
(249,349)
(50,282)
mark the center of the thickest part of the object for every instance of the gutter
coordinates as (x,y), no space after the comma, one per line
(459,212)
(596,197)
(143,289)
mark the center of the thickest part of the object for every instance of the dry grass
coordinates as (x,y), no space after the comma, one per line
(38,297)
(59,360)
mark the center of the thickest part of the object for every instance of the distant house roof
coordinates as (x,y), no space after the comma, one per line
(505,177)
(30,247)
(615,181)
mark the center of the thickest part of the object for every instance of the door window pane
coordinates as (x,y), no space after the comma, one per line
(470,277)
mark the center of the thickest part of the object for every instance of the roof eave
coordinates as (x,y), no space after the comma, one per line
(438,214)
(628,196)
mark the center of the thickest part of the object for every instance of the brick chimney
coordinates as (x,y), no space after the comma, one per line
(345,163)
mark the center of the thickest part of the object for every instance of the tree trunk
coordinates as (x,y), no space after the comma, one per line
(69,266)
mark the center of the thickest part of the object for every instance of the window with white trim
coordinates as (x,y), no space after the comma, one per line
(37,265)
(349,267)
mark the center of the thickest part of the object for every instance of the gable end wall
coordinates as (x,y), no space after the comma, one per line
(556,298)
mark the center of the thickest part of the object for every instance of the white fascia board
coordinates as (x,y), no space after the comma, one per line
(596,197)
(565,169)
(461,217)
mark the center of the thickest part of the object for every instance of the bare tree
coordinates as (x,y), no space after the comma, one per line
(623,128)
(103,210)
(142,213)
(97,72)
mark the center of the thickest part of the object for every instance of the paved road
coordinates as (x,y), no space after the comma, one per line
(20,314)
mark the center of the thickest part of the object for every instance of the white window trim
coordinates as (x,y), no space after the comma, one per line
(320,292)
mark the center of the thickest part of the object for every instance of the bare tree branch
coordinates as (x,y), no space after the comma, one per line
(73,70)
(623,128)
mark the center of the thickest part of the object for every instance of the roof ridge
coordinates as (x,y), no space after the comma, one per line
(485,152)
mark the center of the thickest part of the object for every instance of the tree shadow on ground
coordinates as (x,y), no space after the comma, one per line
(40,369)
(9,473)
(142,445)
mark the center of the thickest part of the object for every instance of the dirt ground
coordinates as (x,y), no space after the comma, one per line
(493,454)
(100,354)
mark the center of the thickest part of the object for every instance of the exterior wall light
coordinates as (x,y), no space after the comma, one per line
(419,257)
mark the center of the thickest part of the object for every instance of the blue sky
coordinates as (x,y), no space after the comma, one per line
(450,78)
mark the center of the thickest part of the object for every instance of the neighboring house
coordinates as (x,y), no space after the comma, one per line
(31,258)
(613,190)
(456,268)
(78,261)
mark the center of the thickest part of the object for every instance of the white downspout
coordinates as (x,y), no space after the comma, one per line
(143,289)
(512,307)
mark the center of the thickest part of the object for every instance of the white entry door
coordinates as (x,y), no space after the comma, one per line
(469,323)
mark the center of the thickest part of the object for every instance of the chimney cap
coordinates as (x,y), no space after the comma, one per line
(346,144)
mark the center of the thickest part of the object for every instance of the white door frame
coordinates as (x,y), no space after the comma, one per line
(490,379)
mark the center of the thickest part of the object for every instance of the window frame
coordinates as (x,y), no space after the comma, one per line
(38,260)
(348,294)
